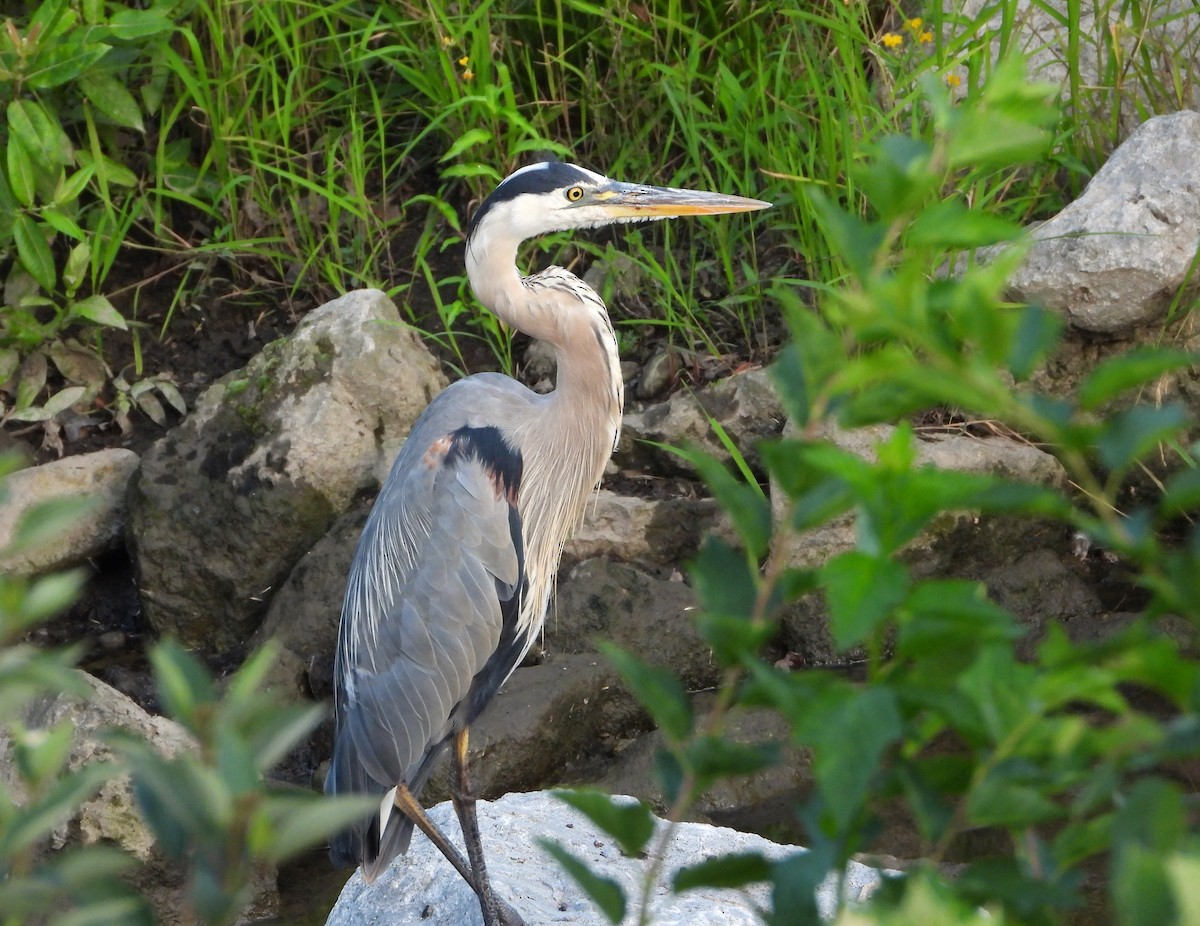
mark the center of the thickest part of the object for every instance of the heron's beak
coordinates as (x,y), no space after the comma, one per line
(633,201)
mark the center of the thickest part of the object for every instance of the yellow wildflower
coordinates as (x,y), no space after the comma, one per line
(925,37)
(468,74)
(952,81)
(891,40)
(464,61)
(915,23)
(447,41)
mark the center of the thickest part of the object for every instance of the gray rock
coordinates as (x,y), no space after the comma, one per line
(762,802)
(422,889)
(540,724)
(600,599)
(657,373)
(99,479)
(1116,257)
(625,527)
(991,549)
(303,615)
(110,817)
(1168,32)
(744,405)
(228,501)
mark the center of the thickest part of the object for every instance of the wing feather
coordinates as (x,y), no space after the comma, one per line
(431,603)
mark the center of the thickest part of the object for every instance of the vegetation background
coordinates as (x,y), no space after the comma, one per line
(169,161)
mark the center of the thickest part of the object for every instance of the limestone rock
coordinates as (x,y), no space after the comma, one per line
(761,802)
(600,599)
(228,501)
(991,549)
(111,817)
(625,527)
(1116,257)
(744,405)
(544,719)
(303,615)
(99,479)
(422,889)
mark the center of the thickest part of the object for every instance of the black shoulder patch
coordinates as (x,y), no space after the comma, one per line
(500,459)
(542,177)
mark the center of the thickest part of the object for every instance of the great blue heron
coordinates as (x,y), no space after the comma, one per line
(455,565)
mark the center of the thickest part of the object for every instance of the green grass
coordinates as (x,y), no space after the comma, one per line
(306,148)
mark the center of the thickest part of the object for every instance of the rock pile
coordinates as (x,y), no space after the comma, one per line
(243,519)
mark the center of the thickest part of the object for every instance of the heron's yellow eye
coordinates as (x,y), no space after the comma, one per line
(575,194)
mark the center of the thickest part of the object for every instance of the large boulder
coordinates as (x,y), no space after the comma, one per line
(227,502)
(1116,257)
(97,480)
(421,888)
(110,817)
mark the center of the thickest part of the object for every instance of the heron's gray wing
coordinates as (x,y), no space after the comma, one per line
(425,607)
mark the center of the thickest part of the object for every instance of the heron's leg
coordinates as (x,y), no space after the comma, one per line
(495,911)
(408,805)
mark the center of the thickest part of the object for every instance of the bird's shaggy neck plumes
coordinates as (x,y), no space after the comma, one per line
(571,435)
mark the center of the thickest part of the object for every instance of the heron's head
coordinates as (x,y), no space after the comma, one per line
(552,196)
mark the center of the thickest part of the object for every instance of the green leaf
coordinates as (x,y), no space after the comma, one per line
(111,98)
(947,620)
(36,819)
(658,691)
(745,503)
(136,25)
(71,186)
(183,683)
(63,223)
(852,732)
(723,579)
(630,824)
(172,395)
(1182,494)
(22,172)
(1141,889)
(794,882)
(1011,796)
(96,308)
(1184,874)
(310,820)
(950,224)
(274,737)
(1038,331)
(468,139)
(46,521)
(853,239)
(1131,433)
(108,170)
(606,893)
(63,399)
(713,757)
(39,132)
(724,871)
(48,596)
(77,264)
(861,590)
(1130,370)
(41,753)
(59,63)
(34,252)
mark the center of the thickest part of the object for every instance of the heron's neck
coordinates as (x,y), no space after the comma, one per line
(557,307)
